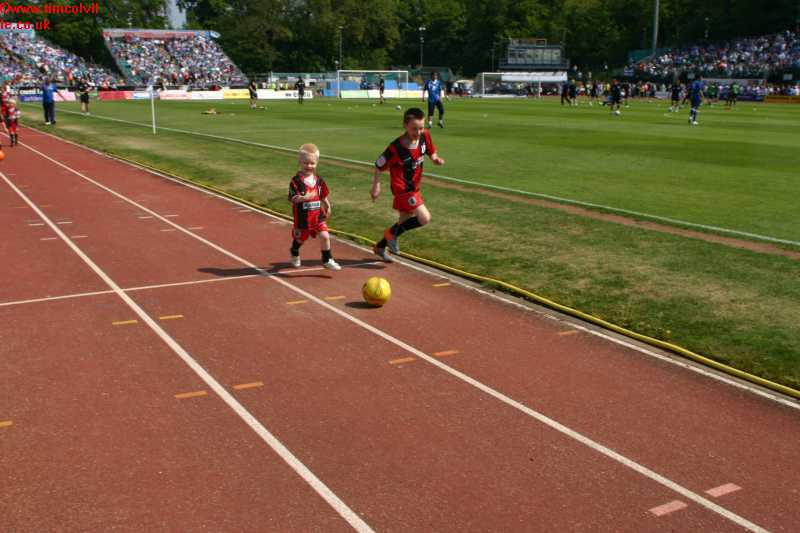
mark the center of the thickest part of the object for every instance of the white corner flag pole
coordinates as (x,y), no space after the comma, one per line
(153,108)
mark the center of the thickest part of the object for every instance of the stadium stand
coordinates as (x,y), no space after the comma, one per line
(25,58)
(190,58)
(751,57)
(14,69)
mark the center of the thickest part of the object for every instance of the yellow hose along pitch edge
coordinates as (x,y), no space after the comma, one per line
(508,287)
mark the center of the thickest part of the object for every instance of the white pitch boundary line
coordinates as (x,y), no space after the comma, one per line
(554,198)
(301,469)
(686,364)
(596,446)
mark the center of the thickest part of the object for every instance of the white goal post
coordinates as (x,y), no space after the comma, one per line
(364,83)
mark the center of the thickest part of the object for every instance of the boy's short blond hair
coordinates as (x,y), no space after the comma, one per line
(308,150)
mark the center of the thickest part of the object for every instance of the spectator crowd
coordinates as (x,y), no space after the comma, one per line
(194,60)
(26,59)
(751,57)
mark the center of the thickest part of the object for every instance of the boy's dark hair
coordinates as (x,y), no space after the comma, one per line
(413,113)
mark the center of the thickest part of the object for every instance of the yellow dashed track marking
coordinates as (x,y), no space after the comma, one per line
(253,385)
(195,394)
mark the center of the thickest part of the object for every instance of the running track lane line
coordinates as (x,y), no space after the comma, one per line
(553,424)
(165,285)
(302,470)
(569,201)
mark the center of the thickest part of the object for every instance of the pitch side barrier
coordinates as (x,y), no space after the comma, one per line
(185,95)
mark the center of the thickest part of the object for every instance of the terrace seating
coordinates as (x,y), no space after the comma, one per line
(750,57)
(175,59)
(26,59)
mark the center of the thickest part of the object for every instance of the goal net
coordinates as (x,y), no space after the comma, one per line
(366,84)
(516,84)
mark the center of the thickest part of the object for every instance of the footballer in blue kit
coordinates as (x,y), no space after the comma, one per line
(434,89)
(696,99)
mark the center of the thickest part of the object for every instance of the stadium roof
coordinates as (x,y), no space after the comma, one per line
(156,34)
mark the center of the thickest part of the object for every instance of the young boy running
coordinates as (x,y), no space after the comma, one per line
(309,196)
(11,121)
(403,159)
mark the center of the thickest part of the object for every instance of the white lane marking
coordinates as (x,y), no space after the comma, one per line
(55,298)
(676,360)
(64,222)
(722,490)
(668,508)
(36,224)
(163,285)
(167,229)
(554,198)
(144,217)
(301,469)
(79,236)
(170,216)
(49,239)
(586,441)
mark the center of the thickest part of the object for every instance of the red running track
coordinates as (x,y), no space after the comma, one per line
(177,387)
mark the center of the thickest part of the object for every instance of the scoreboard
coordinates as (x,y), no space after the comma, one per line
(533,54)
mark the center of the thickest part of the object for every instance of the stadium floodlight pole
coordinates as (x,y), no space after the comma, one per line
(421,44)
(341,64)
(655,25)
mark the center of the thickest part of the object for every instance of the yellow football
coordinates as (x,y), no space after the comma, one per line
(376,291)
